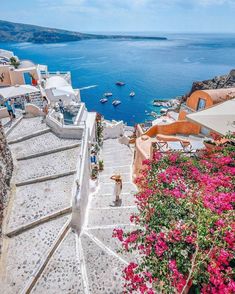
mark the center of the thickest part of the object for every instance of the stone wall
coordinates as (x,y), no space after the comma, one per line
(6,169)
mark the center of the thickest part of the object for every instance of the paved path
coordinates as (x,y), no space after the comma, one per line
(103,264)
(37,223)
(41,252)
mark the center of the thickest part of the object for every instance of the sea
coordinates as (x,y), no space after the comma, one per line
(153,69)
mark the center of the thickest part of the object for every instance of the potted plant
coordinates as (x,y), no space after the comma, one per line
(101,165)
(94,172)
(34,81)
(14,62)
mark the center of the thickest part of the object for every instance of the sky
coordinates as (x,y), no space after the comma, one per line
(124,15)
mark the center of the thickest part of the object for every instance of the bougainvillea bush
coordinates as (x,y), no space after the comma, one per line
(185,232)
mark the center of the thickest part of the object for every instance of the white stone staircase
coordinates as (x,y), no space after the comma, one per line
(42,254)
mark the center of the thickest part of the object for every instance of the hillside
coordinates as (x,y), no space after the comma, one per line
(17,32)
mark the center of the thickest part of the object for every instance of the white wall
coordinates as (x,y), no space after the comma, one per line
(113,129)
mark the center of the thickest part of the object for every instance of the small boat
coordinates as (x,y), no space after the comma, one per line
(118,83)
(154,114)
(163,110)
(132,94)
(108,94)
(116,102)
(156,104)
(103,100)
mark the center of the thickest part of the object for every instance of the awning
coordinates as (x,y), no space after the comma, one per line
(14,91)
(219,118)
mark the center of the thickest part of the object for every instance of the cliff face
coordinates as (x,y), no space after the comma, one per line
(226,81)
(6,169)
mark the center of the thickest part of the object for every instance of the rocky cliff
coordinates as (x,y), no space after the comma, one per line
(6,169)
(218,82)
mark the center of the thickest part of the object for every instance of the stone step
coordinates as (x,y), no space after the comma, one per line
(48,165)
(104,269)
(111,170)
(31,135)
(26,127)
(105,236)
(38,222)
(101,201)
(39,144)
(62,273)
(43,199)
(25,253)
(103,217)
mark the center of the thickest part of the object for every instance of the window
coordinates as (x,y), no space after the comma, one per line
(201,104)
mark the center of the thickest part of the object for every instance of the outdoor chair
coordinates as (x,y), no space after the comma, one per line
(161,146)
(186,146)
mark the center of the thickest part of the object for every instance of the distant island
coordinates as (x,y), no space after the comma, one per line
(18,32)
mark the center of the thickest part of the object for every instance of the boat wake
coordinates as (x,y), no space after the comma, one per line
(88,87)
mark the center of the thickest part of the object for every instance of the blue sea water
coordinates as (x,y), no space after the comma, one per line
(153,69)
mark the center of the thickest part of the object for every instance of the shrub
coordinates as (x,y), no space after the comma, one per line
(185,220)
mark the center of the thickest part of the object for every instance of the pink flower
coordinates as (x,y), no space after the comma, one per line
(118,233)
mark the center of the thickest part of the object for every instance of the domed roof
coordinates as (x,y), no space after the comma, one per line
(56,82)
(26,64)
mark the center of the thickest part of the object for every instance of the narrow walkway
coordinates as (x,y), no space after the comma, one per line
(103,264)
(41,252)
(39,211)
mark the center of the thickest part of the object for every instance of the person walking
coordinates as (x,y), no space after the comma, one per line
(117,187)
(44,107)
(7,104)
(61,106)
(12,102)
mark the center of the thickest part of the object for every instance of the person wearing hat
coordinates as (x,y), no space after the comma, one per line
(117,187)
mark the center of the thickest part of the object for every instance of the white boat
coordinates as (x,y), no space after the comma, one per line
(109,94)
(103,100)
(116,102)
(154,114)
(132,94)
(156,104)
(163,110)
(119,83)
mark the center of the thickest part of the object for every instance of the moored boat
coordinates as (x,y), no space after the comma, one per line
(103,100)
(116,102)
(156,104)
(163,110)
(132,94)
(119,83)
(108,94)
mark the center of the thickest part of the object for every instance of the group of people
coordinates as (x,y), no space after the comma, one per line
(10,106)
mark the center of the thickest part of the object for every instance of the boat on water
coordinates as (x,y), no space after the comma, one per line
(116,102)
(163,110)
(156,104)
(119,83)
(154,114)
(103,100)
(132,94)
(108,94)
